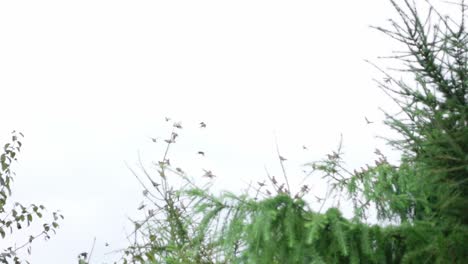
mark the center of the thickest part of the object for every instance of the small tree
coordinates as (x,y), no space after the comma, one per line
(14,217)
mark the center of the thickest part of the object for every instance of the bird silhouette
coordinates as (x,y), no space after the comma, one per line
(367,121)
(208,174)
(202,125)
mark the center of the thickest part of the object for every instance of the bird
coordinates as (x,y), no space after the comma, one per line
(304,147)
(155,184)
(282,158)
(201,153)
(273,180)
(178,125)
(154,139)
(208,174)
(367,121)
(167,119)
(377,152)
(202,125)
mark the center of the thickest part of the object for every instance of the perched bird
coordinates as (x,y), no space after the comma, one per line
(202,125)
(174,135)
(377,152)
(155,184)
(273,180)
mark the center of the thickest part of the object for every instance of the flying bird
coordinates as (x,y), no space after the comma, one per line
(367,121)
(282,158)
(201,153)
(202,125)
(179,170)
(208,174)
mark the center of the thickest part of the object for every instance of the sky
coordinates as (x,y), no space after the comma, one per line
(90,82)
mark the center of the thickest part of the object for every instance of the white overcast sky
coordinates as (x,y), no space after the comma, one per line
(88,82)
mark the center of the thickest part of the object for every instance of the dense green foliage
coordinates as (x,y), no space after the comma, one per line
(423,200)
(14,217)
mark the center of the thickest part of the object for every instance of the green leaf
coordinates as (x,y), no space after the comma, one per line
(29,218)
